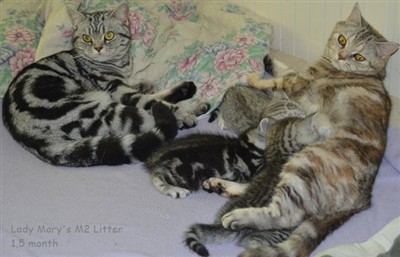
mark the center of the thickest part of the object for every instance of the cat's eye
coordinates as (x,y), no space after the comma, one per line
(342,40)
(87,38)
(359,57)
(109,36)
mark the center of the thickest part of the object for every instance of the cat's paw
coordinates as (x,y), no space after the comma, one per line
(165,120)
(146,87)
(186,114)
(177,192)
(185,90)
(224,188)
(322,125)
(253,78)
(237,219)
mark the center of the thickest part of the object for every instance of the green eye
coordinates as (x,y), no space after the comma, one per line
(87,38)
(109,36)
(342,40)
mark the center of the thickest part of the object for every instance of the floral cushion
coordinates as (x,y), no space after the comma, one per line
(214,44)
(20,29)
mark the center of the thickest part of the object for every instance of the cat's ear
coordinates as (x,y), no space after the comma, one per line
(262,126)
(386,49)
(355,15)
(75,16)
(121,13)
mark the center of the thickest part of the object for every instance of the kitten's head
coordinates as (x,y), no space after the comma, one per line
(355,46)
(103,35)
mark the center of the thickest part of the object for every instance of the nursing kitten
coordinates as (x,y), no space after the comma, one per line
(76,108)
(284,138)
(326,183)
(243,107)
(180,167)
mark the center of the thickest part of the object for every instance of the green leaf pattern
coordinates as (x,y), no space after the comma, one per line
(213,65)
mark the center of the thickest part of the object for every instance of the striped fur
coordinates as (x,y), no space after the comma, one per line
(243,107)
(76,108)
(325,183)
(180,167)
(283,139)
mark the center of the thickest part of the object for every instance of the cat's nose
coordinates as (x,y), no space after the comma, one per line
(98,48)
(342,55)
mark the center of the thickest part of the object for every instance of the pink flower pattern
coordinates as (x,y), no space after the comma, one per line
(67,33)
(255,65)
(229,59)
(210,88)
(148,35)
(180,11)
(188,63)
(23,58)
(19,34)
(245,40)
(136,23)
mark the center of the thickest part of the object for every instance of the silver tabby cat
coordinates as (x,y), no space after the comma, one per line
(77,108)
(320,187)
(283,139)
(180,167)
(243,107)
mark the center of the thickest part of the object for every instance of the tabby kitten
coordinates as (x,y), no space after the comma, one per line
(243,107)
(180,167)
(283,138)
(323,185)
(76,108)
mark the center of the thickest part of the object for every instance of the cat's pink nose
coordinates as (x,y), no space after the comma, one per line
(342,55)
(98,48)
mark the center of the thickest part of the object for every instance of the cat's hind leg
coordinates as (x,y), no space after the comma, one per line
(162,185)
(304,239)
(225,188)
(166,178)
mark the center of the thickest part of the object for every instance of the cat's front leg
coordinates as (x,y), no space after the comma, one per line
(186,113)
(254,80)
(145,87)
(242,218)
(225,188)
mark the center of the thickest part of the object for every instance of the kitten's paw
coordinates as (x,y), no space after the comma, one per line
(184,91)
(322,125)
(186,114)
(237,219)
(146,87)
(177,192)
(227,189)
(253,78)
(165,120)
(167,189)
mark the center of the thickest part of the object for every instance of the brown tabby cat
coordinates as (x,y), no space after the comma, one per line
(324,184)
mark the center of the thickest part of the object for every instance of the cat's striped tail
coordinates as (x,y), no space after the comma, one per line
(200,234)
(304,239)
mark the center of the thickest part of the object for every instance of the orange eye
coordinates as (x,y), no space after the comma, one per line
(342,40)
(87,38)
(359,57)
